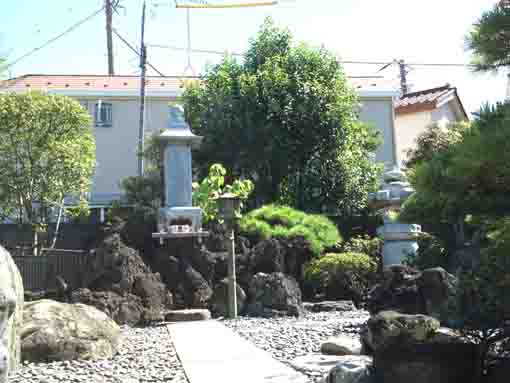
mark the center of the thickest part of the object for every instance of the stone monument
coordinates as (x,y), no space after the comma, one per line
(400,239)
(11,315)
(178,218)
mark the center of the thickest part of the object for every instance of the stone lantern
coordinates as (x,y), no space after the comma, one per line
(228,204)
(400,239)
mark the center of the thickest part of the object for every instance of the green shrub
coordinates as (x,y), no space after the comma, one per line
(273,221)
(432,252)
(342,276)
(365,244)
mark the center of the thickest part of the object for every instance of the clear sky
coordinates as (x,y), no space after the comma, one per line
(371,30)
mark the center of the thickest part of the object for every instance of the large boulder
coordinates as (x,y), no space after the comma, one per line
(387,327)
(274,294)
(352,369)
(409,291)
(54,331)
(414,348)
(11,314)
(219,301)
(118,282)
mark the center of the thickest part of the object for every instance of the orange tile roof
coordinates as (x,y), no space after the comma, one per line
(422,100)
(132,83)
(91,82)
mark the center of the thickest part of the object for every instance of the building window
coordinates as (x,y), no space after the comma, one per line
(103,114)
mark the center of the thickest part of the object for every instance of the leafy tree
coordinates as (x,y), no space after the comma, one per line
(285,117)
(206,192)
(468,181)
(47,152)
(488,39)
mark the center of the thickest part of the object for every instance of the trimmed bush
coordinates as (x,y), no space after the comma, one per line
(342,276)
(371,246)
(273,221)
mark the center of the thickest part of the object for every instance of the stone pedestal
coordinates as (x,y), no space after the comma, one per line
(400,240)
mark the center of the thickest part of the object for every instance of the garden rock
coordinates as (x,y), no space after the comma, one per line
(118,282)
(196,289)
(499,373)
(54,331)
(352,369)
(188,315)
(327,306)
(219,301)
(390,327)
(409,291)
(11,314)
(274,294)
(412,348)
(341,345)
(315,364)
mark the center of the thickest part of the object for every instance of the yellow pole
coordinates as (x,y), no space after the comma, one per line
(230,5)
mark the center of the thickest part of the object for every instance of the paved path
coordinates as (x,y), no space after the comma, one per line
(212,353)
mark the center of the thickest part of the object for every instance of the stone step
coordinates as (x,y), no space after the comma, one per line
(211,352)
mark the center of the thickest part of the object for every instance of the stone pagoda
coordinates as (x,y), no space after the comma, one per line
(178,218)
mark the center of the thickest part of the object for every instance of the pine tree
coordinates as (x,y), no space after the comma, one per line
(489,40)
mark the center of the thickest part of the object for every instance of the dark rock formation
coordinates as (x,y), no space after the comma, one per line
(412,292)
(219,301)
(327,306)
(119,283)
(274,294)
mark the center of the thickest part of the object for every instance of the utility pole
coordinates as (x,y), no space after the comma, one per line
(109,36)
(403,77)
(143,61)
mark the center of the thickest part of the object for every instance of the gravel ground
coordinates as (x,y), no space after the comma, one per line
(147,355)
(288,338)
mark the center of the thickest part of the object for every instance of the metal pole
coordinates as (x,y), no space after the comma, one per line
(109,36)
(403,77)
(143,59)
(232,284)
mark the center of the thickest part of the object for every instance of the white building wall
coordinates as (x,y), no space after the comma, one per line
(117,146)
(379,113)
(407,128)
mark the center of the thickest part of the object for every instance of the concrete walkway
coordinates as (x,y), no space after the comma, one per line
(212,353)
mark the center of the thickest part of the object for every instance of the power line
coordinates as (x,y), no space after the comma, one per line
(68,30)
(360,62)
(130,46)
